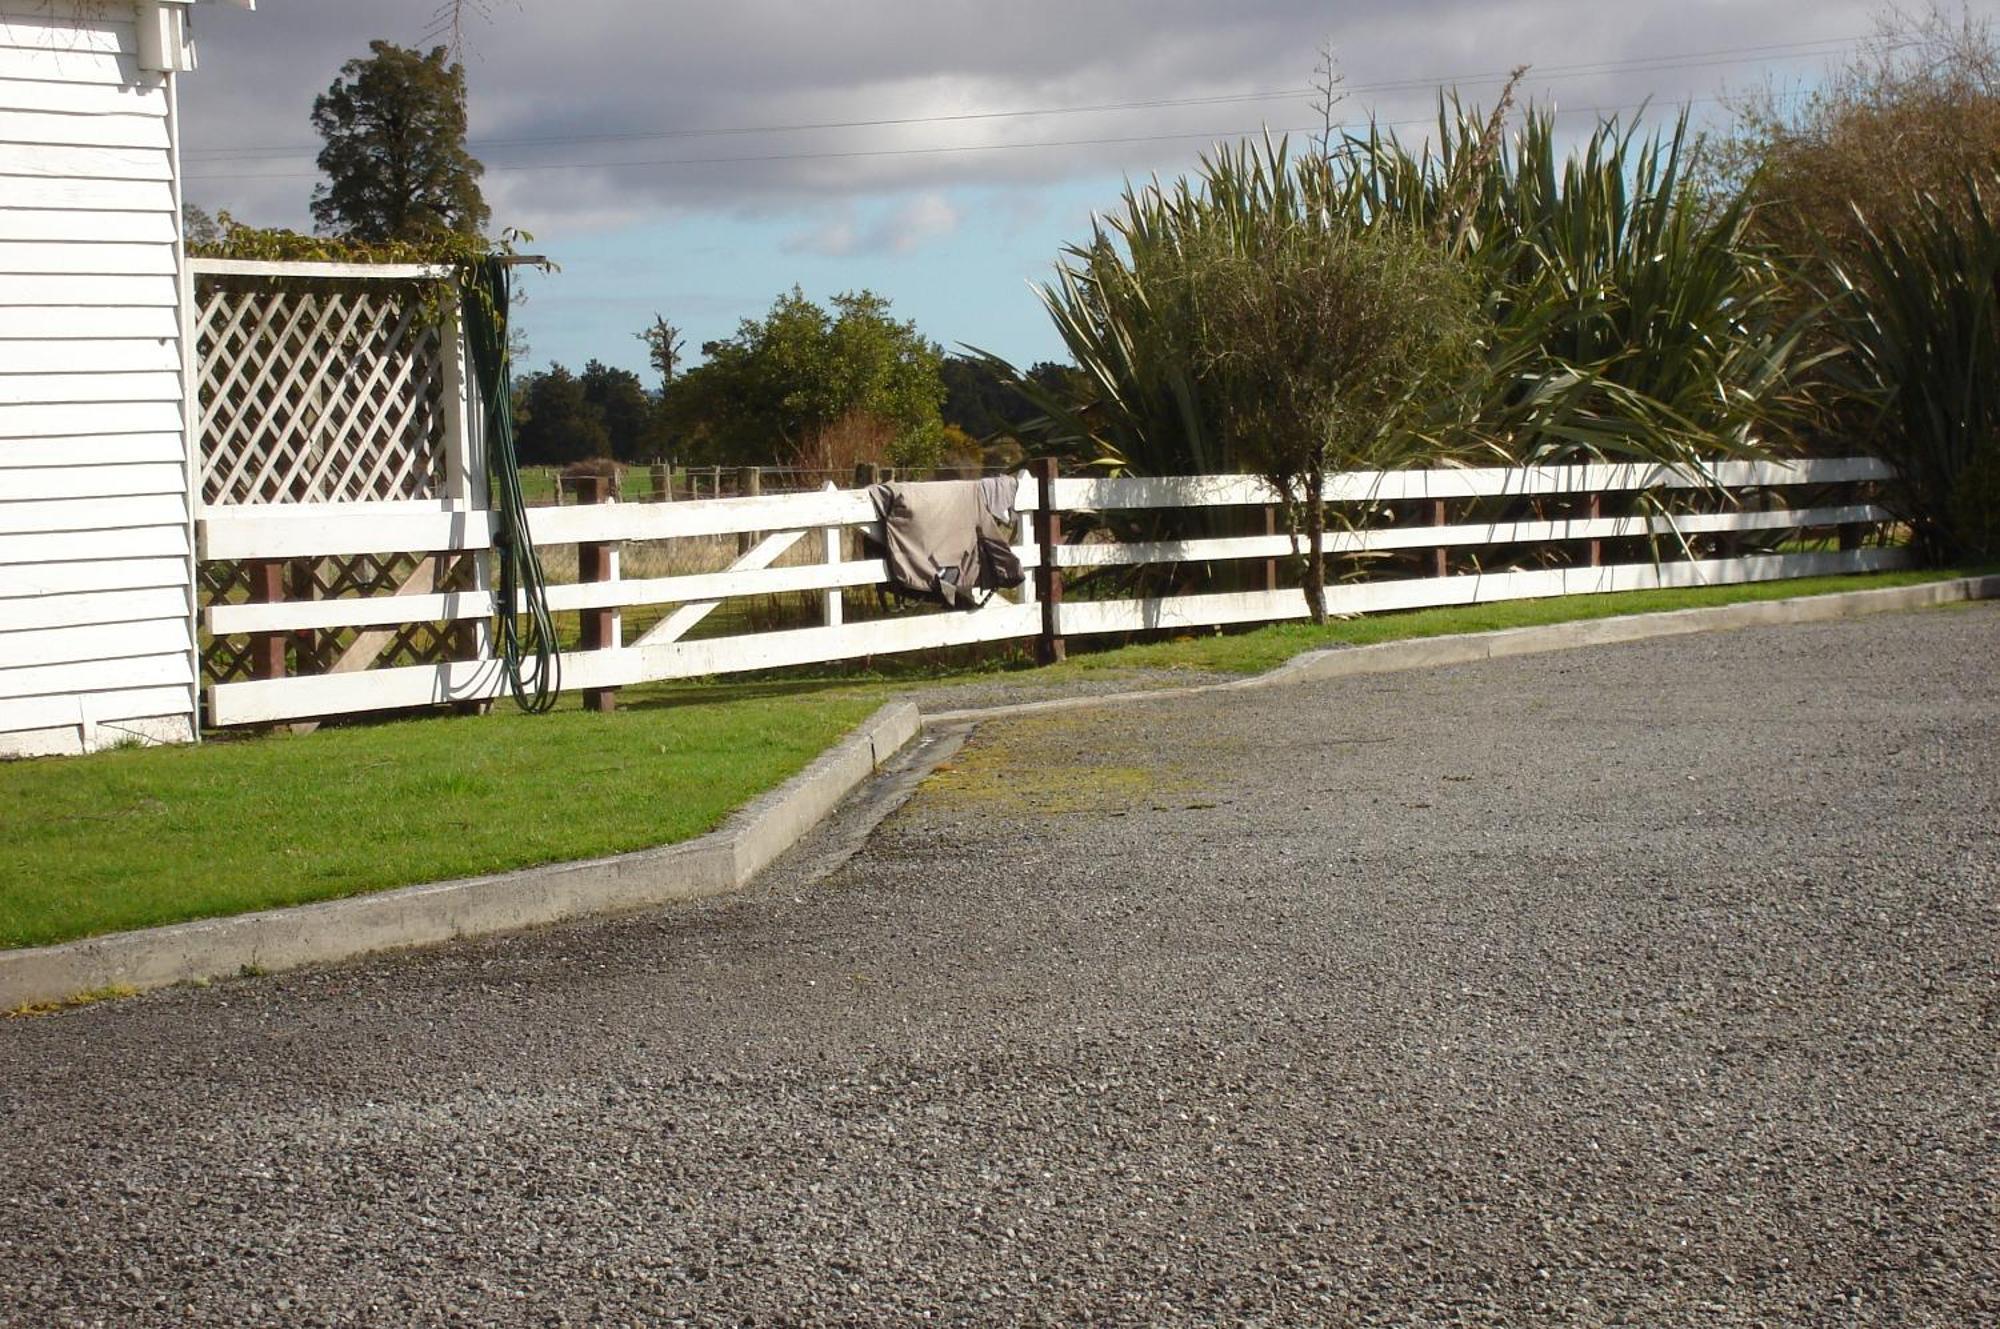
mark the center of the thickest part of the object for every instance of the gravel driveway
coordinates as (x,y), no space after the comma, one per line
(1645,985)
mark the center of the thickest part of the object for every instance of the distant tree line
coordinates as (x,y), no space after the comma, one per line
(806,385)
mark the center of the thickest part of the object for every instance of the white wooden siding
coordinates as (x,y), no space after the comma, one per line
(48,256)
(85,323)
(98,450)
(95,570)
(91,163)
(105,355)
(69,66)
(26,29)
(24,389)
(118,130)
(79,227)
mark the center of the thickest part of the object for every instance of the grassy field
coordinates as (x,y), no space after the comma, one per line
(141,837)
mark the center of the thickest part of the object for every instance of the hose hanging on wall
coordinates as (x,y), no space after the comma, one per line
(522,591)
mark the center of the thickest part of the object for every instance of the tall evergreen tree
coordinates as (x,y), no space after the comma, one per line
(395,157)
(621,402)
(559,424)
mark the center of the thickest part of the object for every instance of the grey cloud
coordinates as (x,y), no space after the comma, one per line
(901,228)
(565,73)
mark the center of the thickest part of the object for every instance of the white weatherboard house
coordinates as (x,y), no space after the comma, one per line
(97,641)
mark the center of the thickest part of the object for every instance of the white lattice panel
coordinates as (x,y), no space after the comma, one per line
(318,391)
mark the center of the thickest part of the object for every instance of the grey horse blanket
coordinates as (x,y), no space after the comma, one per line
(949,539)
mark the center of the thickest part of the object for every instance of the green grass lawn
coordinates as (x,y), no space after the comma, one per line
(140,837)
(134,838)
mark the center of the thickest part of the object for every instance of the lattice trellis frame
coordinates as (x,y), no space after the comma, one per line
(318,391)
(325,384)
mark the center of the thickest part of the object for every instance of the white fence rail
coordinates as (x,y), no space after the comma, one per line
(767,526)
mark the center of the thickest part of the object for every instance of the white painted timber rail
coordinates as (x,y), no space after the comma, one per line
(1126,493)
(291,269)
(1682,551)
(1384,539)
(1178,613)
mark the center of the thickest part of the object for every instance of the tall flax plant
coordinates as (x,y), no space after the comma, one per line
(1628,322)
(1621,320)
(1130,318)
(1920,315)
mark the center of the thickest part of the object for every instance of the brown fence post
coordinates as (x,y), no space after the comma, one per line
(1593,508)
(867,475)
(1852,533)
(595,562)
(300,584)
(1049,647)
(1270,564)
(1441,556)
(663,482)
(267,587)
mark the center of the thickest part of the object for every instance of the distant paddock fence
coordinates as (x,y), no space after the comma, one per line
(1106,556)
(663,482)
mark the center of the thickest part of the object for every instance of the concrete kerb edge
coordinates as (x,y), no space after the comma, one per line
(334,930)
(1471,647)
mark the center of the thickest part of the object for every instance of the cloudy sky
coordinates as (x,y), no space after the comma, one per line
(695,159)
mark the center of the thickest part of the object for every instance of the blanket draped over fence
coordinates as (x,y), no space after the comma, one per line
(948,539)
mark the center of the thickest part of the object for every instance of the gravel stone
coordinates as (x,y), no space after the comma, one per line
(1645,985)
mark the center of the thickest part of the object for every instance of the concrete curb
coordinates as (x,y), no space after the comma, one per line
(1469,647)
(333,930)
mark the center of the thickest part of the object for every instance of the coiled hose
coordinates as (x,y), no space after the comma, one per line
(523,592)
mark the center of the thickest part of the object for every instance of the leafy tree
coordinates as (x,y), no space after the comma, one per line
(620,401)
(1324,353)
(395,157)
(783,380)
(199,228)
(556,422)
(1878,154)
(1915,112)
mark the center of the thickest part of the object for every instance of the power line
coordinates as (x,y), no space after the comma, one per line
(1644,64)
(849,154)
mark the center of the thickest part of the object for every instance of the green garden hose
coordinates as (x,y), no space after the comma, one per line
(522,591)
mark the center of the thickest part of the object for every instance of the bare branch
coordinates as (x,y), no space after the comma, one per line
(1328,94)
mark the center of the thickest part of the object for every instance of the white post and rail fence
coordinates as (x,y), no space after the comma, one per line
(343,530)
(445,530)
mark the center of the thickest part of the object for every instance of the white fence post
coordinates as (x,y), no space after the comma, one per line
(830,606)
(465,453)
